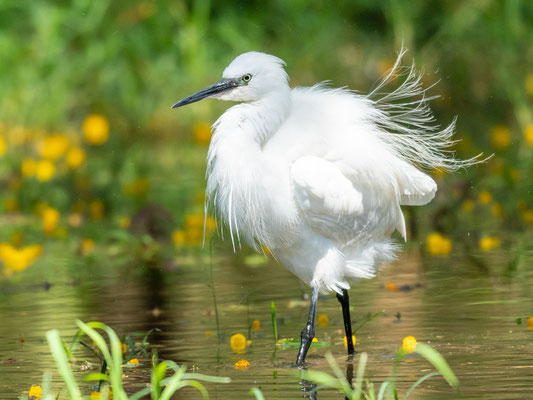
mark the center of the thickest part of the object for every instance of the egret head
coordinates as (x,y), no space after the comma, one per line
(250,77)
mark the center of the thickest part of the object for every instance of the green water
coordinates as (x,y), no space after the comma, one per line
(469,314)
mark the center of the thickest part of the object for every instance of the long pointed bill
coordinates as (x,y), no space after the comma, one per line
(219,87)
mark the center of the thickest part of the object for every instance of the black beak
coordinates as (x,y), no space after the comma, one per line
(219,87)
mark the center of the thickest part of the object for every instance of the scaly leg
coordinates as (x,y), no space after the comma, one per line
(308,332)
(345,303)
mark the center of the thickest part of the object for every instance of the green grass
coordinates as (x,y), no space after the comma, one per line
(364,390)
(161,387)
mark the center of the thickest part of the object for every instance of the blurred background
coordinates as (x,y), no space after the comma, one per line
(97,171)
(87,139)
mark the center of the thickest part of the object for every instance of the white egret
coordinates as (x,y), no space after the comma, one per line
(318,175)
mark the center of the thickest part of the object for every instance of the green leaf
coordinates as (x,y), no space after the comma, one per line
(96,377)
(418,382)
(274,322)
(56,346)
(257,393)
(435,358)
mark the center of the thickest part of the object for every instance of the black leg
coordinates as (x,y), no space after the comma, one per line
(345,303)
(308,332)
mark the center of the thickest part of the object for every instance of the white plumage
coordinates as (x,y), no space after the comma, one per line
(318,175)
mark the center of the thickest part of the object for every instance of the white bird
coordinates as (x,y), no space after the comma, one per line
(318,175)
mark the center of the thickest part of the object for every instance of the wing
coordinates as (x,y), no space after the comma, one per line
(329,202)
(415,187)
(322,190)
(357,201)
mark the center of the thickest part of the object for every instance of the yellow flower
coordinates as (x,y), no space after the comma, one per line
(528,135)
(75,157)
(238,342)
(18,260)
(87,246)
(409,344)
(194,221)
(468,205)
(96,129)
(28,167)
(322,320)
(133,361)
(487,243)
(36,392)
(124,222)
(242,364)
(202,133)
(97,395)
(2,145)
(53,146)
(438,244)
(96,209)
(124,348)
(391,287)
(179,238)
(527,216)
(500,137)
(50,218)
(484,197)
(256,325)
(315,340)
(45,170)
(210,224)
(530,323)
(345,340)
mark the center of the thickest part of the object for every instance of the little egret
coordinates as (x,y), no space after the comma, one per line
(317,174)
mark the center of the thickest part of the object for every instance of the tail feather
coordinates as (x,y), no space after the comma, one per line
(407,125)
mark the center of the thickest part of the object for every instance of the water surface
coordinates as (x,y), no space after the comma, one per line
(469,314)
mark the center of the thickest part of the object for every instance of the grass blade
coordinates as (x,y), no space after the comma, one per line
(96,377)
(382,390)
(56,346)
(360,375)
(418,382)
(346,387)
(322,379)
(274,322)
(438,361)
(207,378)
(257,393)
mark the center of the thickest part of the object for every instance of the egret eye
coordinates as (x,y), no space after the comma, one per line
(246,78)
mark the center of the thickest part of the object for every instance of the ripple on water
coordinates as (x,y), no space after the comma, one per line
(468,316)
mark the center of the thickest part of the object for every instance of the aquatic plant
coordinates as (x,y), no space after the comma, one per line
(363,389)
(110,376)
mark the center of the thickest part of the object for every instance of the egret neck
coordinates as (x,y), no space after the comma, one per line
(246,187)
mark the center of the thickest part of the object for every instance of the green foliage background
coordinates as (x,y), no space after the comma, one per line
(130,60)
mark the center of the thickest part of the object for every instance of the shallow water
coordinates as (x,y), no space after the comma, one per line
(467,312)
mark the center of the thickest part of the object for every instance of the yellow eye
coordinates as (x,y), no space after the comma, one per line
(246,78)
